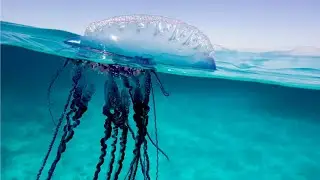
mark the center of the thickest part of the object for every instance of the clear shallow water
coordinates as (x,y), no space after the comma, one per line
(211,128)
(269,67)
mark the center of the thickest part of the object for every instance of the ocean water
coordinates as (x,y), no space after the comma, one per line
(256,117)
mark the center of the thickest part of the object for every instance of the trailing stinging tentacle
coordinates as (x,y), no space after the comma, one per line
(147,161)
(50,87)
(62,146)
(113,151)
(123,145)
(107,135)
(55,134)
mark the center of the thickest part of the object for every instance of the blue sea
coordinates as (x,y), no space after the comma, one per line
(257,117)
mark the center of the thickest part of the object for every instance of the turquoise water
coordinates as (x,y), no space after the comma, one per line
(256,117)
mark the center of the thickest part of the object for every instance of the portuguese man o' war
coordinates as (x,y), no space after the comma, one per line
(129,50)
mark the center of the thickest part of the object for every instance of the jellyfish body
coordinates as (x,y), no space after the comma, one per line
(128,84)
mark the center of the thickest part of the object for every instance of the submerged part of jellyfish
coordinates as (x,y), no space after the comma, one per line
(126,87)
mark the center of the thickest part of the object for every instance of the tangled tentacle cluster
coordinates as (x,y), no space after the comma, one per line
(117,111)
(141,110)
(122,124)
(135,88)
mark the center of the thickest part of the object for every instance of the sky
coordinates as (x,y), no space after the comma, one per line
(234,24)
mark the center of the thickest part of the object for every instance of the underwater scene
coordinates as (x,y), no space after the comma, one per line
(148,97)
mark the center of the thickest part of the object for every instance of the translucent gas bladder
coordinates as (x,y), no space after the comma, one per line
(166,41)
